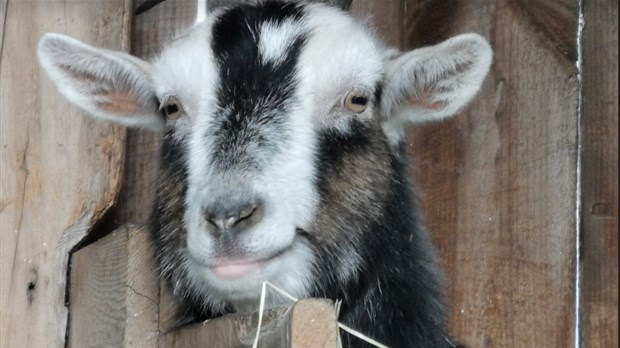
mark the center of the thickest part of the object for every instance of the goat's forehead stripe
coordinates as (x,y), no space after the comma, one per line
(257,76)
(241,24)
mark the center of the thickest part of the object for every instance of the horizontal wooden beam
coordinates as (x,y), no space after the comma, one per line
(309,323)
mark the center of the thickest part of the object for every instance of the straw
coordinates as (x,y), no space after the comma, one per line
(338,303)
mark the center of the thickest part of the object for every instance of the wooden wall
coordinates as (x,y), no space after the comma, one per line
(500,180)
(519,191)
(600,175)
(59,173)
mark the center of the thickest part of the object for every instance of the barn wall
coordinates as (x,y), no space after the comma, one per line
(519,191)
(599,204)
(500,180)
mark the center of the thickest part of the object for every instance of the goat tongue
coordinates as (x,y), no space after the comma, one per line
(233,269)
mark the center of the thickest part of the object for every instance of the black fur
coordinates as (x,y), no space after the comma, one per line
(247,82)
(396,296)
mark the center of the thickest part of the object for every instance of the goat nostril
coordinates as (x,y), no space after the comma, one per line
(230,218)
(210,219)
(246,213)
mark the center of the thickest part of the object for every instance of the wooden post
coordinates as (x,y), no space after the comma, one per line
(60,171)
(600,175)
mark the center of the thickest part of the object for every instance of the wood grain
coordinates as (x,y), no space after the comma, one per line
(600,175)
(114,302)
(498,181)
(234,331)
(60,171)
(114,292)
(387,16)
(150,31)
(314,325)
(309,323)
(3,13)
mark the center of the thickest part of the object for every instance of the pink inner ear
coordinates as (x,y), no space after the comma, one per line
(119,102)
(424,100)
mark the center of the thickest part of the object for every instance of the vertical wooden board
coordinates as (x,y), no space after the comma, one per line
(150,31)
(97,295)
(498,182)
(60,171)
(142,319)
(114,290)
(3,6)
(387,16)
(160,25)
(600,175)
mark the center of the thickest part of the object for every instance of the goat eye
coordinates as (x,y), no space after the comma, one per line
(356,101)
(172,109)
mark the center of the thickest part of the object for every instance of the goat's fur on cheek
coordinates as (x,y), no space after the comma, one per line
(284,159)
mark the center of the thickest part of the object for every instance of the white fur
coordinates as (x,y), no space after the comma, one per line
(275,40)
(342,55)
(112,71)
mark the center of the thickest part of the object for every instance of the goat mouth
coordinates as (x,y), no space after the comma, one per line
(235,268)
(231,268)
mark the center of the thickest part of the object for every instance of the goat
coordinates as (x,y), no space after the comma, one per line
(283,158)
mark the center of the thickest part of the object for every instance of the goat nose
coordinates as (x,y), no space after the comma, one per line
(233,219)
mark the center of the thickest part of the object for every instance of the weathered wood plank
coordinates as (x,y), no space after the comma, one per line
(114,292)
(313,325)
(60,171)
(150,31)
(499,181)
(600,175)
(308,323)
(386,16)
(3,7)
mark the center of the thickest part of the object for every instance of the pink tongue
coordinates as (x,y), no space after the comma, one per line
(233,271)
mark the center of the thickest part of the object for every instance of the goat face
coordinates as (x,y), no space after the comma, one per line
(282,124)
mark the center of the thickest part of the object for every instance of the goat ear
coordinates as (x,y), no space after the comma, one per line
(434,82)
(109,85)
